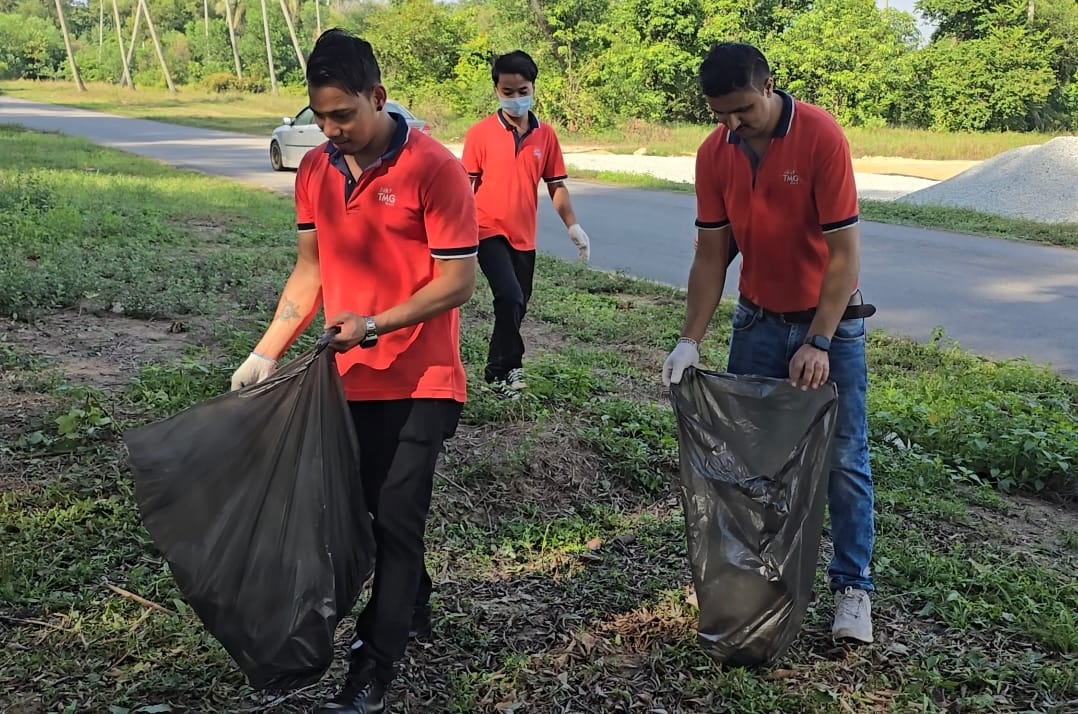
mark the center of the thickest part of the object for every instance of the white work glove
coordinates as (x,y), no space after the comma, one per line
(253,370)
(580,240)
(684,355)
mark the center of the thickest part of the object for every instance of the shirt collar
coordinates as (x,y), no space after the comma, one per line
(400,138)
(786,120)
(533,122)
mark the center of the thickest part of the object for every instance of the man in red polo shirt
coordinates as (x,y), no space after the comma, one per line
(506,155)
(387,245)
(778,173)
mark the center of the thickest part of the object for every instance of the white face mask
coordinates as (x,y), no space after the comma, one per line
(516,106)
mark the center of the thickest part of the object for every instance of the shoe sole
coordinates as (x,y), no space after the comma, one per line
(846,635)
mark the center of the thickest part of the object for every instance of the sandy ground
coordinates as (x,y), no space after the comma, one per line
(917,168)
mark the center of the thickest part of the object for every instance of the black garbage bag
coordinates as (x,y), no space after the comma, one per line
(254,499)
(755,458)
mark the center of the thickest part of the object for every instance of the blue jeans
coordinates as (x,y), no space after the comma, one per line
(763,345)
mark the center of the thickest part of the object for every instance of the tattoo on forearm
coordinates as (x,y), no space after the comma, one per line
(289,311)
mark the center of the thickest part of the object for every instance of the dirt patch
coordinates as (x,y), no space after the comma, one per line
(1035,527)
(494,469)
(917,168)
(98,348)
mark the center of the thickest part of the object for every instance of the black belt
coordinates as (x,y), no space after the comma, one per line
(806,316)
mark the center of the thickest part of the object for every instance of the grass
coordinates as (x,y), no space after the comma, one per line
(259,113)
(555,536)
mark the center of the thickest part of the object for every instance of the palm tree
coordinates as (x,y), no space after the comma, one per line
(232,38)
(70,52)
(292,34)
(156,46)
(269,47)
(120,40)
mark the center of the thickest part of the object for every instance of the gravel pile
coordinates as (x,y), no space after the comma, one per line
(1039,183)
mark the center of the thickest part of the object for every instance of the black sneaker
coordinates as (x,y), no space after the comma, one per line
(420,628)
(362,693)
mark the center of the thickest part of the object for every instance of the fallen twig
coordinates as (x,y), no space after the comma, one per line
(138,598)
(24,621)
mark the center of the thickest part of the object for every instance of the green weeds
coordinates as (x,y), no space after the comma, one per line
(555,537)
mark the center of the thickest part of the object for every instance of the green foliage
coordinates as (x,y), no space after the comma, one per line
(998,82)
(990,66)
(1011,425)
(849,58)
(30,48)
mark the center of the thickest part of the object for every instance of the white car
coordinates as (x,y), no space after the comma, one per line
(299,134)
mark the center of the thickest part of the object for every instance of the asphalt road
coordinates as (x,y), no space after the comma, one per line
(998,298)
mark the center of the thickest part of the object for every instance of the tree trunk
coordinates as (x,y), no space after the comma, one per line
(157,46)
(269,47)
(318,16)
(70,52)
(100,27)
(134,37)
(206,22)
(292,34)
(232,38)
(120,39)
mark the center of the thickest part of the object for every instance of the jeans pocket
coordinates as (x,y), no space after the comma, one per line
(744,318)
(850,330)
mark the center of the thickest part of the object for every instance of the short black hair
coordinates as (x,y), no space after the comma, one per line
(340,59)
(515,62)
(733,67)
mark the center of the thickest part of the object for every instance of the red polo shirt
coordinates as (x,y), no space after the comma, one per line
(781,209)
(506,166)
(378,239)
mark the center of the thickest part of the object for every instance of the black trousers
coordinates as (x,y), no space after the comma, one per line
(510,273)
(399,442)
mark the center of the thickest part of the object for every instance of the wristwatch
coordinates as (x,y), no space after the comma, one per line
(370,334)
(819,342)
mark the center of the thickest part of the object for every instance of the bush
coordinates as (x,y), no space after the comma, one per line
(30,48)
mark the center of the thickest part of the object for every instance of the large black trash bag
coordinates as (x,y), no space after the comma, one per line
(254,499)
(755,459)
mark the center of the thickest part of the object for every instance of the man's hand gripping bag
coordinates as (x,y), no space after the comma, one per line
(254,499)
(755,459)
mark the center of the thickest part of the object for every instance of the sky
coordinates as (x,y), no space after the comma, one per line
(908,6)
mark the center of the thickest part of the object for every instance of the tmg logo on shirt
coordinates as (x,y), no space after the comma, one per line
(538,154)
(386,196)
(790,176)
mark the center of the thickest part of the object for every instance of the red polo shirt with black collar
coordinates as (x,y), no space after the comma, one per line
(780,208)
(506,167)
(378,239)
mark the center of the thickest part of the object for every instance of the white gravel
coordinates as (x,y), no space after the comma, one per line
(1038,183)
(879,187)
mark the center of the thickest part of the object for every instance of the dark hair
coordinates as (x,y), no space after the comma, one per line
(733,67)
(340,59)
(515,62)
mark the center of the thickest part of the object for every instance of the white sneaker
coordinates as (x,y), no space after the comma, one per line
(853,616)
(503,390)
(515,380)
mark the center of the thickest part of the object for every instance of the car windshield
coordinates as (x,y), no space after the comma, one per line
(392,106)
